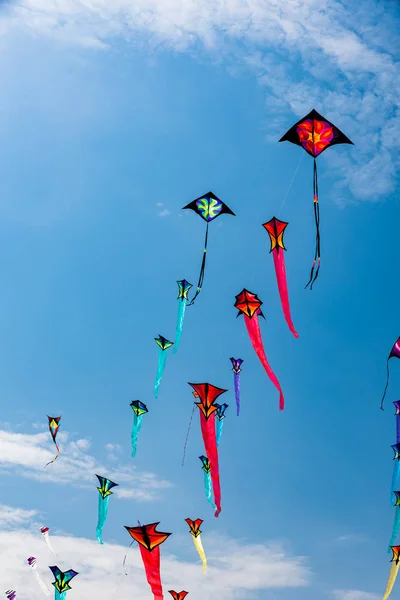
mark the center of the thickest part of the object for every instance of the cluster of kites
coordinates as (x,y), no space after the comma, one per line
(314,134)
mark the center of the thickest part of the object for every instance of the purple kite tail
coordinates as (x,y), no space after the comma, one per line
(236,379)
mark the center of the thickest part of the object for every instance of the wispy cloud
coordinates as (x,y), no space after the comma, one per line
(235,570)
(353,595)
(11,518)
(340,60)
(26,454)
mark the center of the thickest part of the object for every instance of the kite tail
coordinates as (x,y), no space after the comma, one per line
(253,329)
(280,271)
(42,584)
(200,550)
(396,528)
(210,442)
(60,595)
(137,423)
(179,323)
(219,427)
(55,458)
(395,481)
(208,489)
(48,544)
(236,381)
(102,516)
(392,578)
(317,255)
(151,561)
(387,383)
(202,270)
(162,358)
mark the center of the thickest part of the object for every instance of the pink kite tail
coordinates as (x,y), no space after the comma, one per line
(151,561)
(210,443)
(279,262)
(253,329)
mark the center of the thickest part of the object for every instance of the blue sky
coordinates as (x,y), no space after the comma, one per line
(113,117)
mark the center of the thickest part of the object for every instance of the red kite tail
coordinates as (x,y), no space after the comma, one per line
(151,561)
(55,458)
(279,263)
(253,329)
(210,443)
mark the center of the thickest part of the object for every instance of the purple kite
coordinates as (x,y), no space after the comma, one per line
(236,364)
(394,353)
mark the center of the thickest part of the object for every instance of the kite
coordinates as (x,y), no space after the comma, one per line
(208,207)
(61,582)
(221,408)
(393,571)
(276,230)
(195,532)
(396,450)
(236,364)
(45,533)
(249,304)
(184,287)
(11,594)
(178,595)
(53,427)
(104,494)
(207,394)
(315,134)
(396,524)
(207,479)
(149,541)
(139,409)
(32,563)
(394,353)
(163,345)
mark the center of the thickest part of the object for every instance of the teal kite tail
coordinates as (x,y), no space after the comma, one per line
(162,358)
(137,423)
(59,596)
(395,481)
(103,509)
(219,428)
(208,489)
(396,528)
(179,324)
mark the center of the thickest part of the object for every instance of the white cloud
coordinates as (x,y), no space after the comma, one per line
(354,595)
(14,517)
(164,213)
(26,454)
(235,569)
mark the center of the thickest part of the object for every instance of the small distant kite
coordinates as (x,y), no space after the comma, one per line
(219,423)
(249,305)
(315,134)
(207,479)
(53,427)
(236,364)
(45,533)
(208,207)
(207,395)
(11,594)
(149,541)
(195,532)
(183,298)
(32,563)
(393,571)
(62,581)
(139,410)
(394,353)
(104,494)
(276,230)
(396,450)
(163,345)
(178,595)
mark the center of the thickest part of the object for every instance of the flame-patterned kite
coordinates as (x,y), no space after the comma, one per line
(249,304)
(219,423)
(139,410)
(61,583)
(45,533)
(53,428)
(236,364)
(315,134)
(11,594)
(163,345)
(195,532)
(276,229)
(32,563)
(104,493)
(393,571)
(183,298)
(178,595)
(207,395)
(394,353)
(208,207)
(207,479)
(149,541)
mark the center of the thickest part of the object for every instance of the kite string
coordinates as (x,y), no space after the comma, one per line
(187,435)
(291,183)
